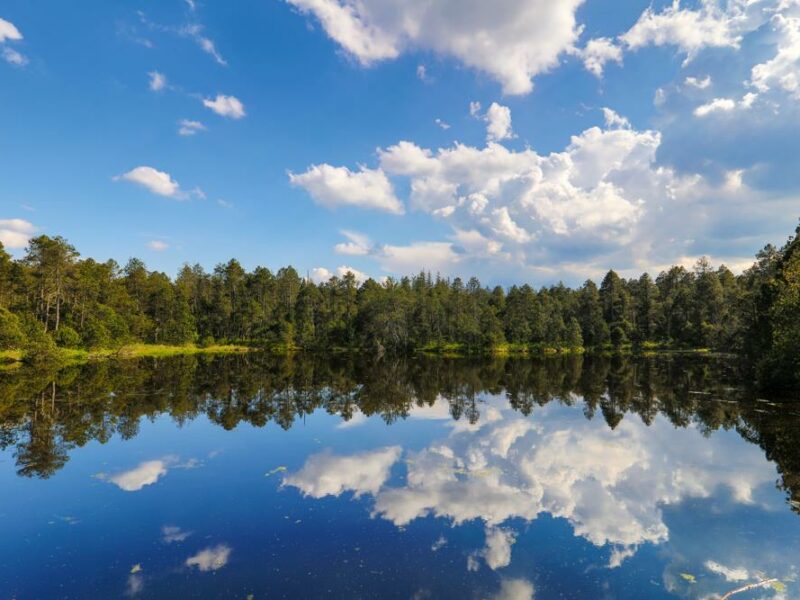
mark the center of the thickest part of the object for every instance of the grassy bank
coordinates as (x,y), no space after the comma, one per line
(129,351)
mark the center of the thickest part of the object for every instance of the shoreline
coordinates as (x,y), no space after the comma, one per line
(14,358)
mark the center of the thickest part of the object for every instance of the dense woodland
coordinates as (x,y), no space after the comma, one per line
(52,298)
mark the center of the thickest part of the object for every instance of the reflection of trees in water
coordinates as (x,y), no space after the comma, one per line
(44,415)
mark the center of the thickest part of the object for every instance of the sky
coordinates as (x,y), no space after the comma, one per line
(516,140)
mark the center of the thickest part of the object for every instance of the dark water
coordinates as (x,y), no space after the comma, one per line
(258,477)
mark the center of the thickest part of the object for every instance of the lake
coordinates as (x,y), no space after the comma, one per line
(256,476)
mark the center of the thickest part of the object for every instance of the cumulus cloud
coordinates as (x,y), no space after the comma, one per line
(187,127)
(326,474)
(595,186)
(783,70)
(605,199)
(358,244)
(8,31)
(320,274)
(597,53)
(158,81)
(498,123)
(339,186)
(512,42)
(155,181)
(144,474)
(15,233)
(226,106)
(691,30)
(210,559)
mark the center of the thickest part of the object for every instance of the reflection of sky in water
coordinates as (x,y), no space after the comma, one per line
(552,505)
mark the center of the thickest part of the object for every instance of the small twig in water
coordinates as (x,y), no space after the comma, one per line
(748,587)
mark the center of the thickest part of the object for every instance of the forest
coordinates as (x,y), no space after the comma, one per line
(52,299)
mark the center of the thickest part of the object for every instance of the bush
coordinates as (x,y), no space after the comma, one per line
(39,347)
(11,335)
(207,341)
(67,337)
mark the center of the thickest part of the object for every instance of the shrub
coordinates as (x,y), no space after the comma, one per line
(11,335)
(67,337)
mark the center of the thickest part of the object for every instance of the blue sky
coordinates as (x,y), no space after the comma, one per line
(517,140)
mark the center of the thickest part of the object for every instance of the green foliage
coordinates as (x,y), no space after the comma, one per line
(39,348)
(11,335)
(67,337)
(52,297)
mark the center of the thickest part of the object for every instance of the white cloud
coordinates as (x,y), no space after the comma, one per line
(210,559)
(325,474)
(320,274)
(690,30)
(15,233)
(594,186)
(515,589)
(432,256)
(716,105)
(226,106)
(13,57)
(422,73)
(338,186)
(358,244)
(157,182)
(512,42)
(698,83)
(146,473)
(157,245)
(474,108)
(442,124)
(359,275)
(725,105)
(498,119)
(8,31)
(188,127)
(158,81)
(614,120)
(783,70)
(597,53)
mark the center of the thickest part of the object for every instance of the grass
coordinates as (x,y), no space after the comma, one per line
(74,355)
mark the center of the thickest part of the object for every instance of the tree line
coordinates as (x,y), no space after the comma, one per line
(52,298)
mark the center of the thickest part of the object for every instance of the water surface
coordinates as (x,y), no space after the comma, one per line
(255,476)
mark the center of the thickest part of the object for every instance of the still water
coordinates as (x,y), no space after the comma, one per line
(260,477)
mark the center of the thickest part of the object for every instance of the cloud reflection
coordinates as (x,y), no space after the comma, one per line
(325,474)
(210,559)
(611,485)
